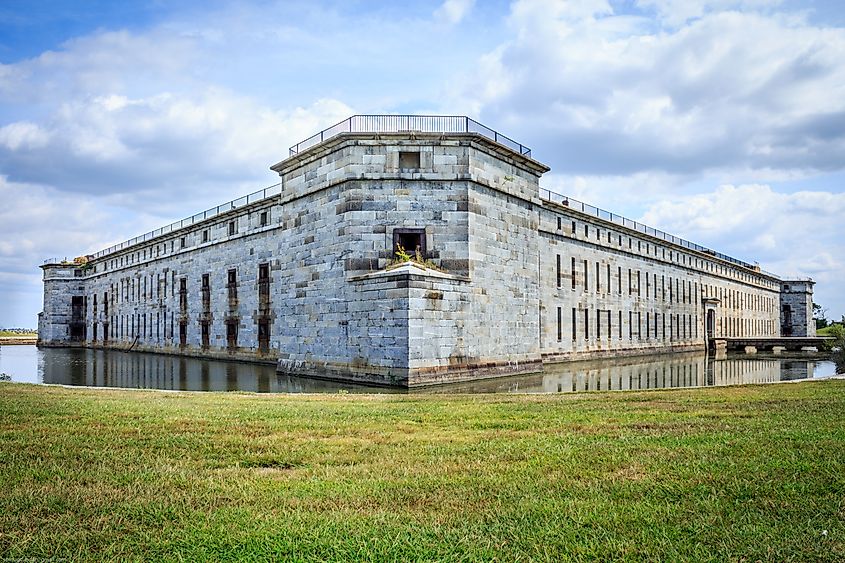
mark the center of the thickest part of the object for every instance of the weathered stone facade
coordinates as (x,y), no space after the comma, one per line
(301,278)
(796,303)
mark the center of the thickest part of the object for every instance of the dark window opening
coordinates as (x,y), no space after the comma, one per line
(233,227)
(205,333)
(264,219)
(559,325)
(409,159)
(263,336)
(183,334)
(232,284)
(232,334)
(205,235)
(411,241)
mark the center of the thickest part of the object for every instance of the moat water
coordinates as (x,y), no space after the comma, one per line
(98,368)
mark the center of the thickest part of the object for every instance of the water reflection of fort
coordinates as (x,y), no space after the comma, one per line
(100,368)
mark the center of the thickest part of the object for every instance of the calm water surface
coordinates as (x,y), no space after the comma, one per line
(98,368)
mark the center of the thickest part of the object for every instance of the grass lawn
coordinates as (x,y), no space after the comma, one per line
(739,473)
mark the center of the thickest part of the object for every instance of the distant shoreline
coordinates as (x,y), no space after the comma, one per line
(23,339)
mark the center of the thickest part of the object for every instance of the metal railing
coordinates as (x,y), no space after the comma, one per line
(588,209)
(275,189)
(402,123)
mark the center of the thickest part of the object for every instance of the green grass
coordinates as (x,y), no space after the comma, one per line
(6,333)
(740,474)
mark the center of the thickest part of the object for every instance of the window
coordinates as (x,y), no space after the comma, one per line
(233,227)
(183,242)
(264,336)
(559,327)
(586,275)
(264,218)
(558,271)
(598,278)
(410,240)
(409,160)
(573,273)
(205,235)
(587,324)
(232,334)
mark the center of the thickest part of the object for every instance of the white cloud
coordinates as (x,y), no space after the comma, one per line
(23,134)
(797,234)
(677,12)
(208,143)
(608,94)
(452,12)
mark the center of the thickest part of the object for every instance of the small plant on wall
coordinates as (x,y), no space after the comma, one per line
(403,257)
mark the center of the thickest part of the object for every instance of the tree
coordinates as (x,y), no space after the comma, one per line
(820,316)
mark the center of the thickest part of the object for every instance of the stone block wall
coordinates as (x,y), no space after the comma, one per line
(608,290)
(796,308)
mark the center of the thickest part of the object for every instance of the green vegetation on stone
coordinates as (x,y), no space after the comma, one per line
(740,473)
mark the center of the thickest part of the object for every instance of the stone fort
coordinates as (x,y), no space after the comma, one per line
(504,275)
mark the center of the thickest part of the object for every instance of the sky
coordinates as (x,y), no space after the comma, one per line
(720,121)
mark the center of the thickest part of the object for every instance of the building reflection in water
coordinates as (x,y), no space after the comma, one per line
(98,368)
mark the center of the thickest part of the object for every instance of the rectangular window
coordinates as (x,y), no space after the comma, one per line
(233,228)
(586,276)
(183,242)
(558,223)
(205,235)
(559,323)
(264,218)
(630,325)
(412,241)
(639,326)
(558,271)
(630,282)
(620,324)
(409,160)
(598,278)
(232,334)
(263,336)
(638,283)
(608,279)
(573,273)
(619,280)
(574,324)
(598,324)
(587,324)
(232,284)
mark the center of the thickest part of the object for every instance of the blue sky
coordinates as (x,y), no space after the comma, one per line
(722,121)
